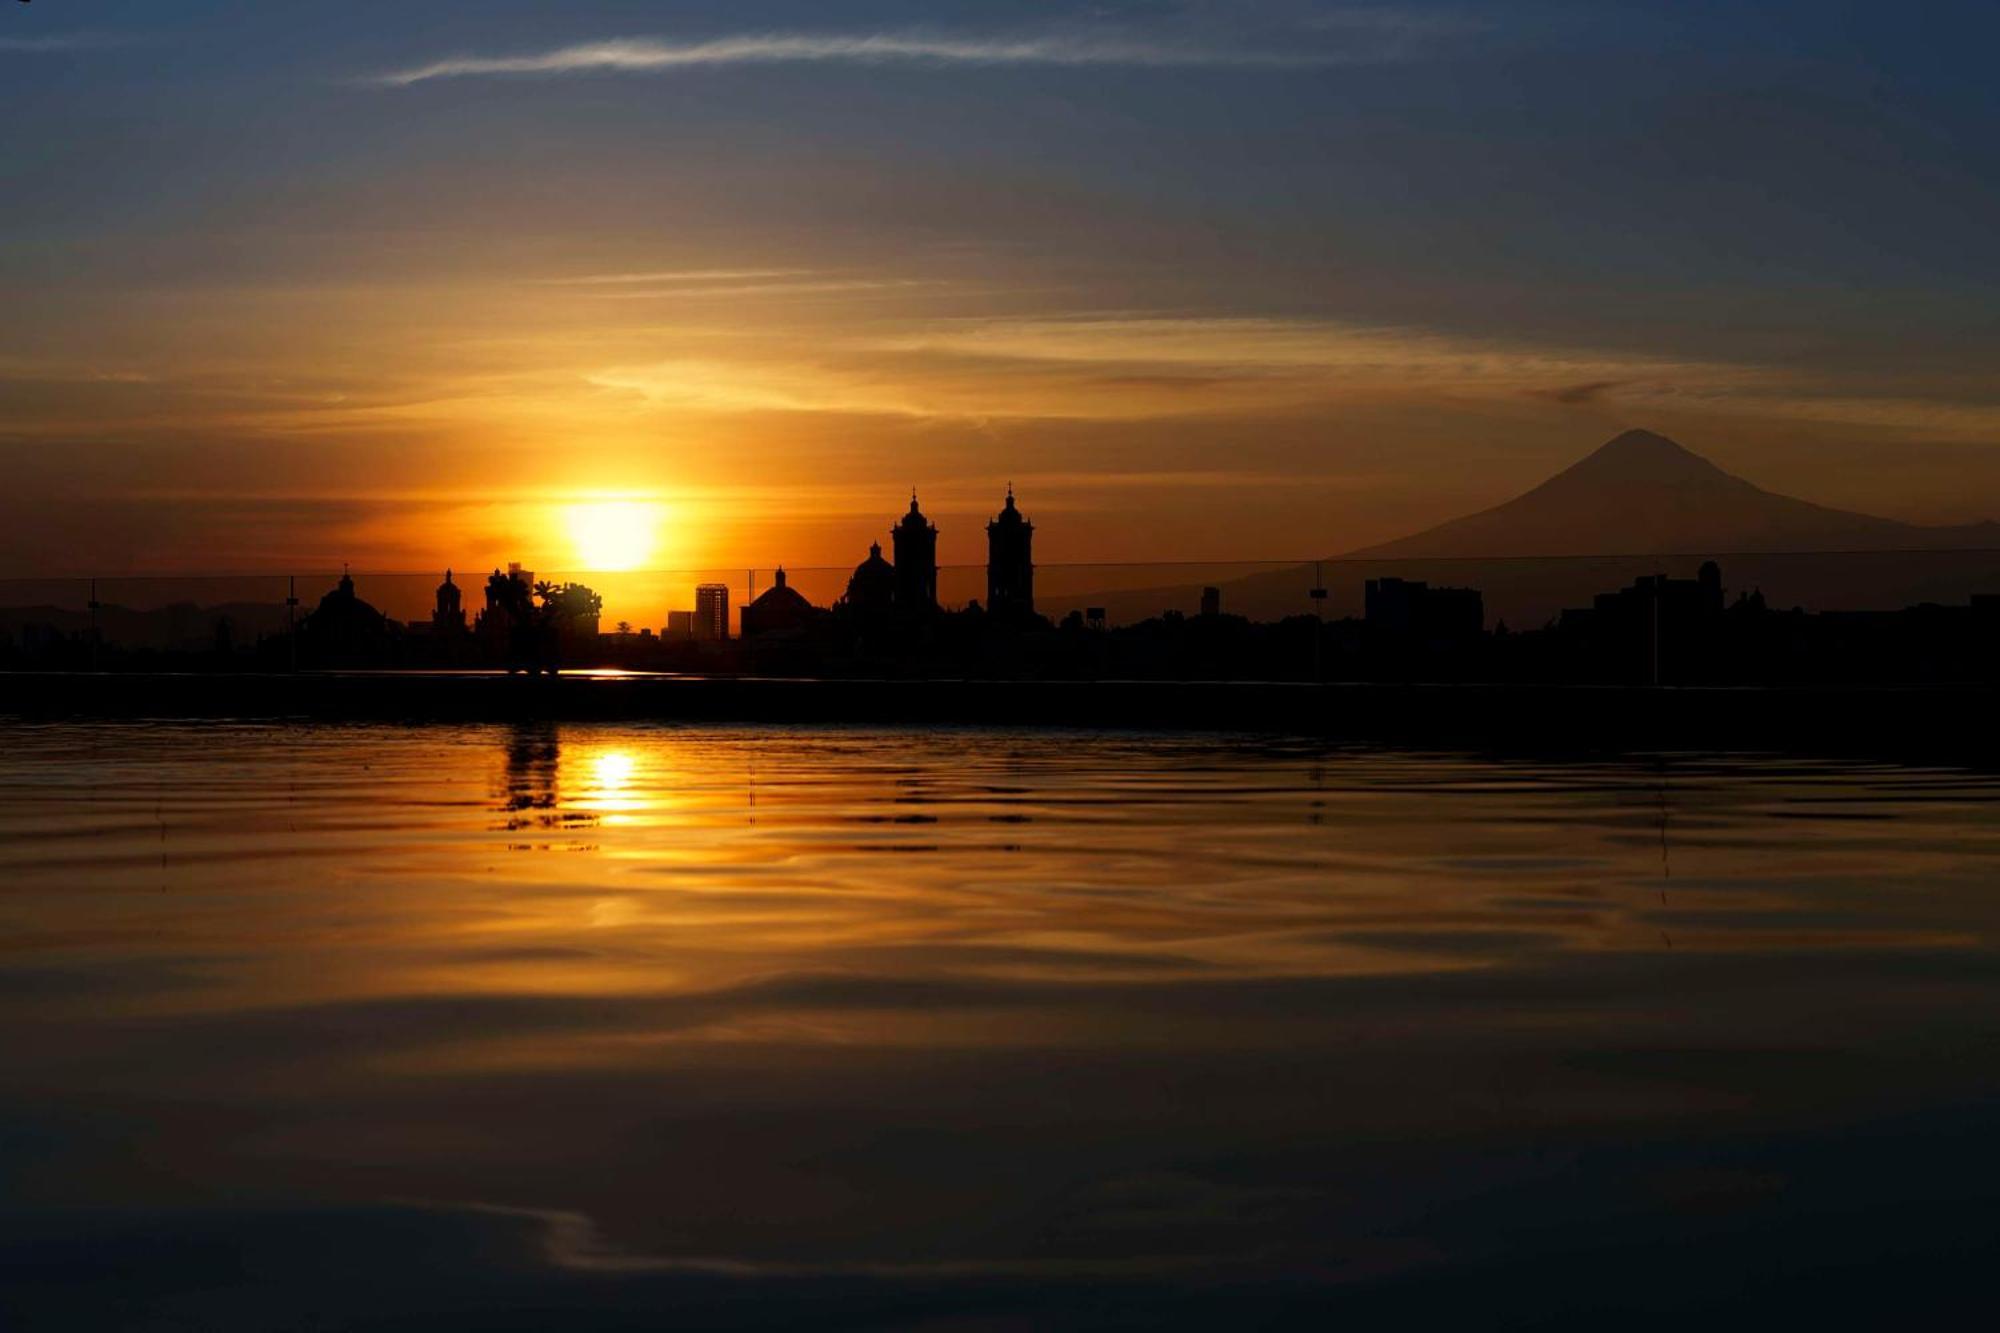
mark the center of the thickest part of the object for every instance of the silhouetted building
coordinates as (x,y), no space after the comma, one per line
(1413,612)
(448,616)
(1410,628)
(779,608)
(1211,601)
(1010,563)
(1680,600)
(871,589)
(505,626)
(680,624)
(711,612)
(1656,628)
(915,539)
(509,597)
(345,629)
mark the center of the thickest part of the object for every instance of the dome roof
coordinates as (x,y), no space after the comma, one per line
(781,595)
(342,614)
(1009,516)
(915,518)
(873,586)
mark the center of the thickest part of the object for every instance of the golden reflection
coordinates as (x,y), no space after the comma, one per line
(613,770)
(876,856)
(1182,951)
(611,791)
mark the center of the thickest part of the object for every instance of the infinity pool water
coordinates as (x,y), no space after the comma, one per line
(645,1027)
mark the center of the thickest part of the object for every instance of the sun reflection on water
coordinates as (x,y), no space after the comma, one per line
(974,978)
(610,789)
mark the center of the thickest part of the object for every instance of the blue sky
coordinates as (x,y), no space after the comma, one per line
(1280,278)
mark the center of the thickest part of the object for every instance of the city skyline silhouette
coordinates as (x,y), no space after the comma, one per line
(1528,576)
(953,665)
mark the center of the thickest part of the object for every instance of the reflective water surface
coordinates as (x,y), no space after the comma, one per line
(655,1027)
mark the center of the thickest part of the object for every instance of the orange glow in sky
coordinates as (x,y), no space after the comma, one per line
(614,535)
(737,330)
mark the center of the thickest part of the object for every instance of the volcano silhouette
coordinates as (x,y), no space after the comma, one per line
(1643,494)
(1641,504)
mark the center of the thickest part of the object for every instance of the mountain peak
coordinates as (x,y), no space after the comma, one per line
(1641,493)
(1636,441)
(1643,456)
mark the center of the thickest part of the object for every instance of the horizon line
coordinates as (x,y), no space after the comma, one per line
(1274,565)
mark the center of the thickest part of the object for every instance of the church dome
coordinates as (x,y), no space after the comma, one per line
(343,625)
(781,595)
(874,582)
(778,608)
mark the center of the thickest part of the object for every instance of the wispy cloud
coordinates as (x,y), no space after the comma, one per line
(685,275)
(55,41)
(824,287)
(1137,367)
(672,284)
(572,1241)
(1368,37)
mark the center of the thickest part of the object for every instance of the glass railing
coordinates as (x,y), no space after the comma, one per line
(74,622)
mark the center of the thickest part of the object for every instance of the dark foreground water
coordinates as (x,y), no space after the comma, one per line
(657,1028)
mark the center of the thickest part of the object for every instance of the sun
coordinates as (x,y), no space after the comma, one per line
(614,535)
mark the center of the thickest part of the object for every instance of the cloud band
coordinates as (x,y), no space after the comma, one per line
(647,54)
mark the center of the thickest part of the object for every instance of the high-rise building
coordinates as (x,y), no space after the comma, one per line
(1010,562)
(915,540)
(711,612)
(680,624)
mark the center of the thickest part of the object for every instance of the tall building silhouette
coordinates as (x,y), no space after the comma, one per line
(711,611)
(915,540)
(448,616)
(1010,562)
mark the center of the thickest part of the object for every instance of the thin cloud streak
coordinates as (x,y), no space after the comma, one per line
(1380,40)
(71,41)
(845,286)
(676,275)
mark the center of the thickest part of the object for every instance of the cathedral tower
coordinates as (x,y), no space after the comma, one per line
(1010,562)
(915,540)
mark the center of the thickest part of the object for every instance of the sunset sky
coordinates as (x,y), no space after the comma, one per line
(287,284)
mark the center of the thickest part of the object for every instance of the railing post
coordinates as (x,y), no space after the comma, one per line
(1659,581)
(291,627)
(1319,621)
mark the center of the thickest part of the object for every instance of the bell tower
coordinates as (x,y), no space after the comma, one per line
(1010,562)
(915,540)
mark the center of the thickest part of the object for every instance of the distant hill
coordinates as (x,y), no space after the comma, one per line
(1643,494)
(181,627)
(1639,504)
